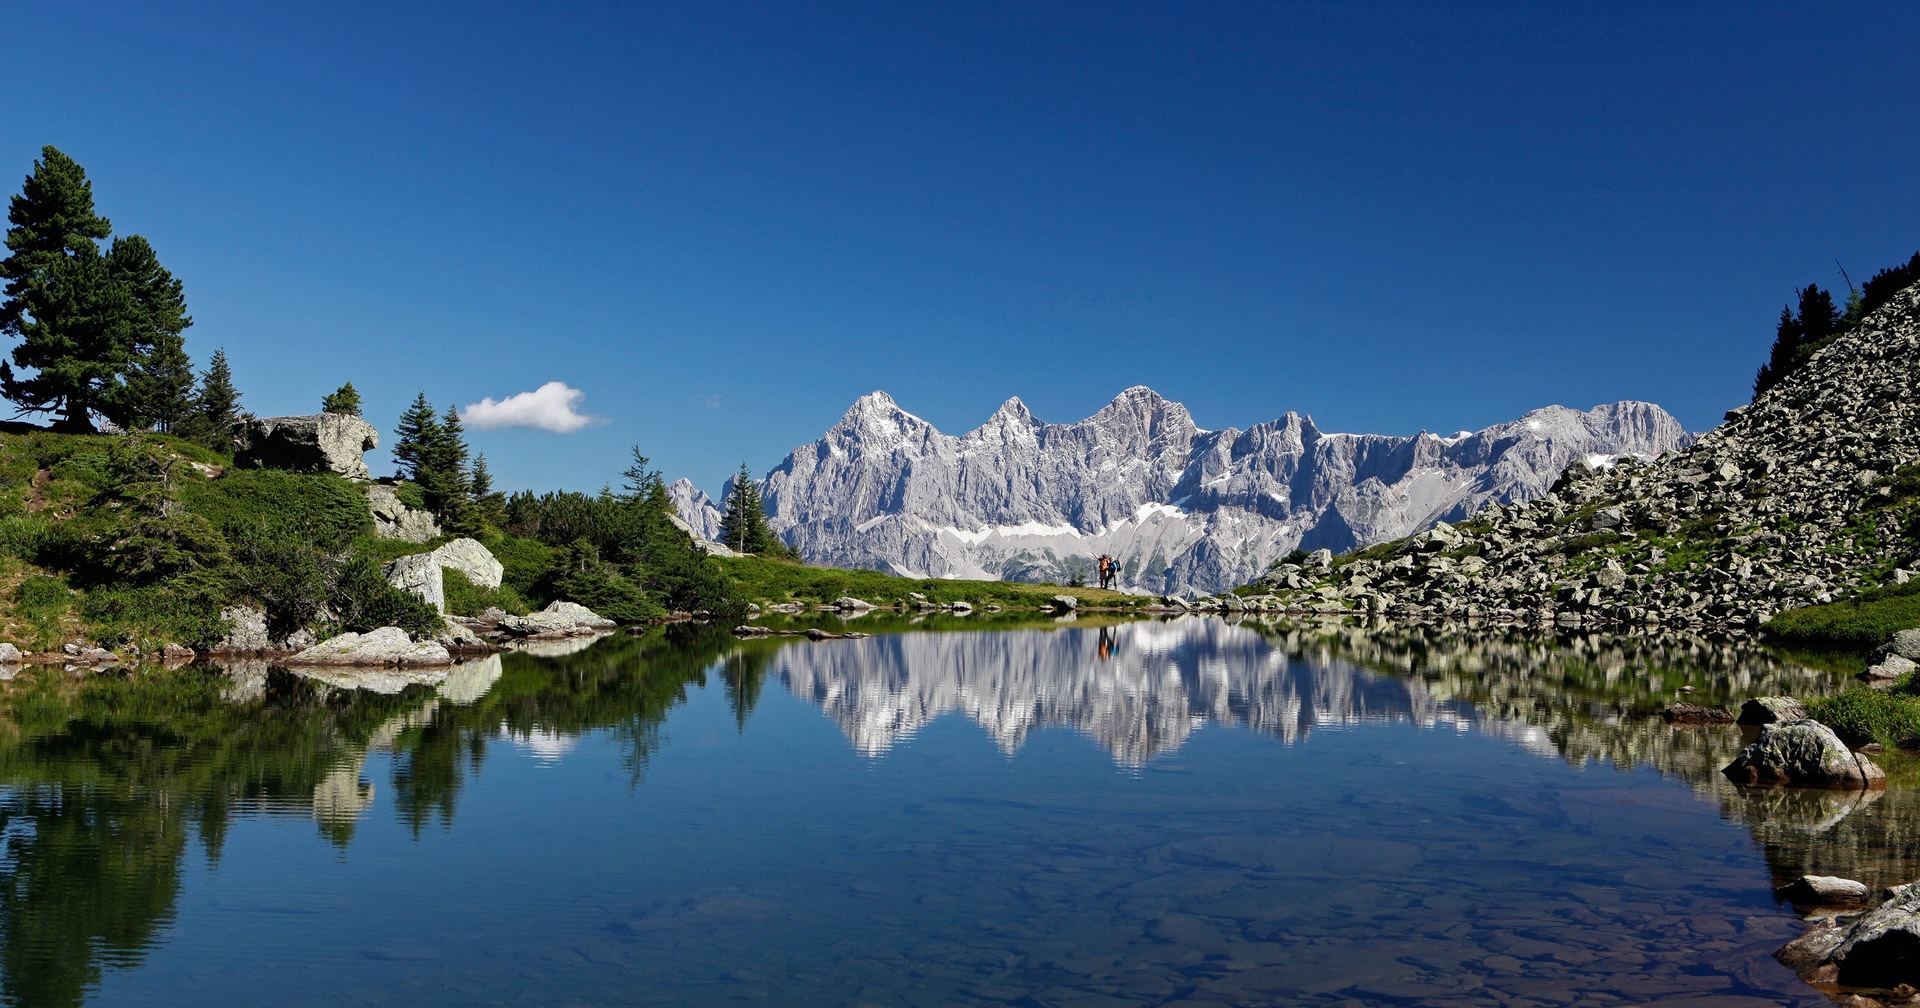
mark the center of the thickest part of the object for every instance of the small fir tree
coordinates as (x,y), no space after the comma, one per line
(743,525)
(345,400)
(414,438)
(158,391)
(217,407)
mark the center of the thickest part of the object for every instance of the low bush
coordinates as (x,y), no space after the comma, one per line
(1861,622)
(1890,717)
(464,598)
(153,616)
(328,509)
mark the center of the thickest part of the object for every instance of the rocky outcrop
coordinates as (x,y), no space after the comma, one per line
(558,619)
(1879,948)
(385,646)
(471,559)
(1803,495)
(421,575)
(248,632)
(324,442)
(392,519)
(1182,508)
(698,511)
(1804,754)
(1771,709)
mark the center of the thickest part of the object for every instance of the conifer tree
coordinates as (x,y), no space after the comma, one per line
(217,408)
(489,508)
(158,391)
(85,319)
(414,437)
(743,525)
(345,400)
(445,478)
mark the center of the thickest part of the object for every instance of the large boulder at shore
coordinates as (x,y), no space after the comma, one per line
(385,646)
(560,619)
(420,574)
(471,559)
(324,442)
(1879,948)
(248,633)
(394,520)
(1803,754)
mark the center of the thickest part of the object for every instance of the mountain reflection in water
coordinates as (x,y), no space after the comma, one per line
(107,780)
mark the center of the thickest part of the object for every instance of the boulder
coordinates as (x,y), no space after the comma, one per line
(1890,668)
(246,631)
(420,574)
(1822,890)
(1769,709)
(1879,948)
(174,652)
(560,619)
(471,559)
(1906,644)
(1064,603)
(845,602)
(385,646)
(9,655)
(1803,753)
(394,520)
(459,637)
(324,442)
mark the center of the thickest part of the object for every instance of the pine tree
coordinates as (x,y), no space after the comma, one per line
(414,437)
(445,478)
(743,525)
(158,391)
(345,400)
(489,508)
(85,320)
(217,407)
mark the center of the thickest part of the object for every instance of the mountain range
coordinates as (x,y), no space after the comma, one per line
(1184,509)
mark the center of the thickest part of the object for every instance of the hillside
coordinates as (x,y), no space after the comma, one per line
(1810,492)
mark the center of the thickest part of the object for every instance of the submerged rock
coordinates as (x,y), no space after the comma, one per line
(1822,890)
(1803,753)
(1686,713)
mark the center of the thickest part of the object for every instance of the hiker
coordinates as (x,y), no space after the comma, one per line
(1107,566)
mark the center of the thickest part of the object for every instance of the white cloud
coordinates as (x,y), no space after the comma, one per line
(710,400)
(552,407)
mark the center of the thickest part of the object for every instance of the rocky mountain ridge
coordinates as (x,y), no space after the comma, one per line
(1810,491)
(1184,509)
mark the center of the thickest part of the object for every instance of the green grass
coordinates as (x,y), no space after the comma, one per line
(464,598)
(769,581)
(1861,622)
(1888,716)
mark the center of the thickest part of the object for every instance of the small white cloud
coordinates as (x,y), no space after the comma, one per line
(711,400)
(552,407)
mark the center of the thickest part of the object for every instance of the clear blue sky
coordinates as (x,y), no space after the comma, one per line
(722,223)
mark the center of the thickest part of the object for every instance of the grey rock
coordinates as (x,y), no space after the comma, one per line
(385,646)
(849,602)
(246,631)
(1822,890)
(9,654)
(1686,713)
(1803,754)
(394,520)
(1905,644)
(471,559)
(459,637)
(1890,668)
(171,652)
(1879,948)
(1065,603)
(1769,709)
(558,619)
(324,442)
(421,575)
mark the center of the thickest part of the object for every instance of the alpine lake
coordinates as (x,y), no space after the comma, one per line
(956,811)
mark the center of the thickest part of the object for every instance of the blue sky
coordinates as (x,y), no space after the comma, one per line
(721,222)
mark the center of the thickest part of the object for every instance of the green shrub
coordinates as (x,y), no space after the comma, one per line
(529,565)
(42,602)
(92,469)
(411,494)
(1862,622)
(363,599)
(464,598)
(23,536)
(330,510)
(1890,717)
(155,615)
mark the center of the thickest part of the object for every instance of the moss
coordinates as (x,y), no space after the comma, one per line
(1860,622)
(1890,717)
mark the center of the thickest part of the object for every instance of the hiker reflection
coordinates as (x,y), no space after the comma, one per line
(1108,646)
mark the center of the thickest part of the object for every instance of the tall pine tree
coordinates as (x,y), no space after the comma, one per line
(445,478)
(414,438)
(158,391)
(743,524)
(217,408)
(85,319)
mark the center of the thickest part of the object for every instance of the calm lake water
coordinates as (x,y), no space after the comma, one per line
(1150,813)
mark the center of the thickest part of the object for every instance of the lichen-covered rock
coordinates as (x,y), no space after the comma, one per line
(1803,754)
(1771,709)
(1905,644)
(246,631)
(9,655)
(471,559)
(394,520)
(420,574)
(324,442)
(1879,948)
(385,646)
